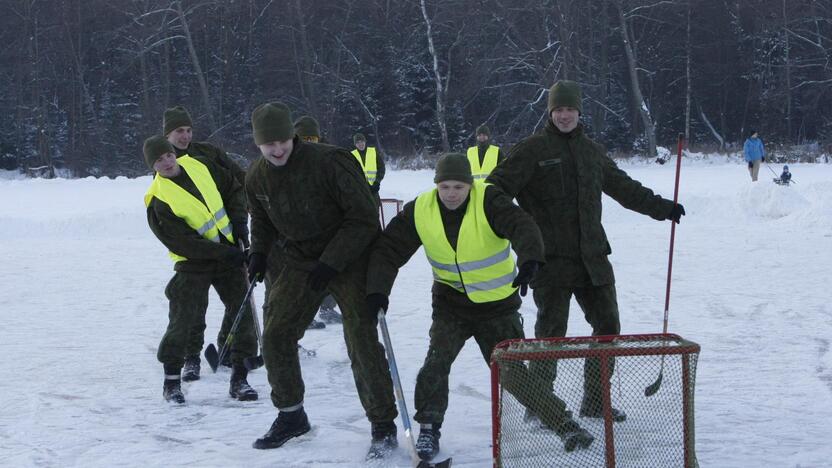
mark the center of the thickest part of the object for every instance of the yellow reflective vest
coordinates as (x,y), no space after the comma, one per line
(209,221)
(489,162)
(369,165)
(482,266)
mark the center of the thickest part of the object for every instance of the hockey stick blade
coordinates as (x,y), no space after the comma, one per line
(212,357)
(253,362)
(654,387)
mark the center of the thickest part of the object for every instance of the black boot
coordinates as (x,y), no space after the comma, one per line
(329,315)
(315,325)
(574,436)
(191,370)
(239,387)
(384,440)
(172,390)
(591,408)
(288,424)
(427,445)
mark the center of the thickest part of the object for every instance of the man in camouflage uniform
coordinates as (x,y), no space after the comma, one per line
(558,177)
(484,157)
(177,127)
(465,229)
(197,211)
(307,129)
(316,199)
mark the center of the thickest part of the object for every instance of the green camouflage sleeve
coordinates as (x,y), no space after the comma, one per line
(513,173)
(630,193)
(263,232)
(359,226)
(509,221)
(180,238)
(392,250)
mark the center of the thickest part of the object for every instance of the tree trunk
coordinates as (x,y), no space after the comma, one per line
(647,120)
(203,86)
(440,87)
(687,79)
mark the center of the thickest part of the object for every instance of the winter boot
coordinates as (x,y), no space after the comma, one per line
(172,389)
(591,408)
(427,445)
(288,424)
(574,436)
(239,387)
(191,370)
(329,315)
(384,440)
(315,325)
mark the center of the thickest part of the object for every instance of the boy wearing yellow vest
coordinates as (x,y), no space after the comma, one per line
(371,161)
(484,157)
(468,230)
(177,127)
(197,211)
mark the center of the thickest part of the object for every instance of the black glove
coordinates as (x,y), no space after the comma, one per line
(375,187)
(763,159)
(234,257)
(525,275)
(257,266)
(376,302)
(676,213)
(320,276)
(240,232)
(750,164)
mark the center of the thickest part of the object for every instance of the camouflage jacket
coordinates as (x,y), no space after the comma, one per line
(400,241)
(559,179)
(202,254)
(318,204)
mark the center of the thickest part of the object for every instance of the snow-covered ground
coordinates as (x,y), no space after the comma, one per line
(83,309)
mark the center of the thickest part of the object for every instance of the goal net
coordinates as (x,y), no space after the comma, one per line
(616,373)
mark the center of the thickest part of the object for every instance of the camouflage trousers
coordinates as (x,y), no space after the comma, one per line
(600,308)
(448,335)
(188,296)
(292,306)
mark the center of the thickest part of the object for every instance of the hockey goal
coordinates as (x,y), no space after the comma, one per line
(388,209)
(658,430)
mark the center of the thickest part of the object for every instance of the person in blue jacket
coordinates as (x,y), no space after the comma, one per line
(754,153)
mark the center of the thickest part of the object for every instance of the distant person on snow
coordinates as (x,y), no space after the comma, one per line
(197,210)
(559,176)
(177,127)
(785,177)
(754,153)
(484,157)
(465,228)
(372,163)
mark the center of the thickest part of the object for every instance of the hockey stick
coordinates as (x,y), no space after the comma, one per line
(654,387)
(255,362)
(214,358)
(397,386)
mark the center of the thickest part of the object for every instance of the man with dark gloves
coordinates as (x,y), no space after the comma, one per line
(315,198)
(465,229)
(558,177)
(197,211)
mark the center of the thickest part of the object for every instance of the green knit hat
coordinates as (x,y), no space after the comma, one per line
(358,137)
(565,93)
(154,147)
(174,118)
(272,122)
(484,130)
(453,166)
(307,126)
